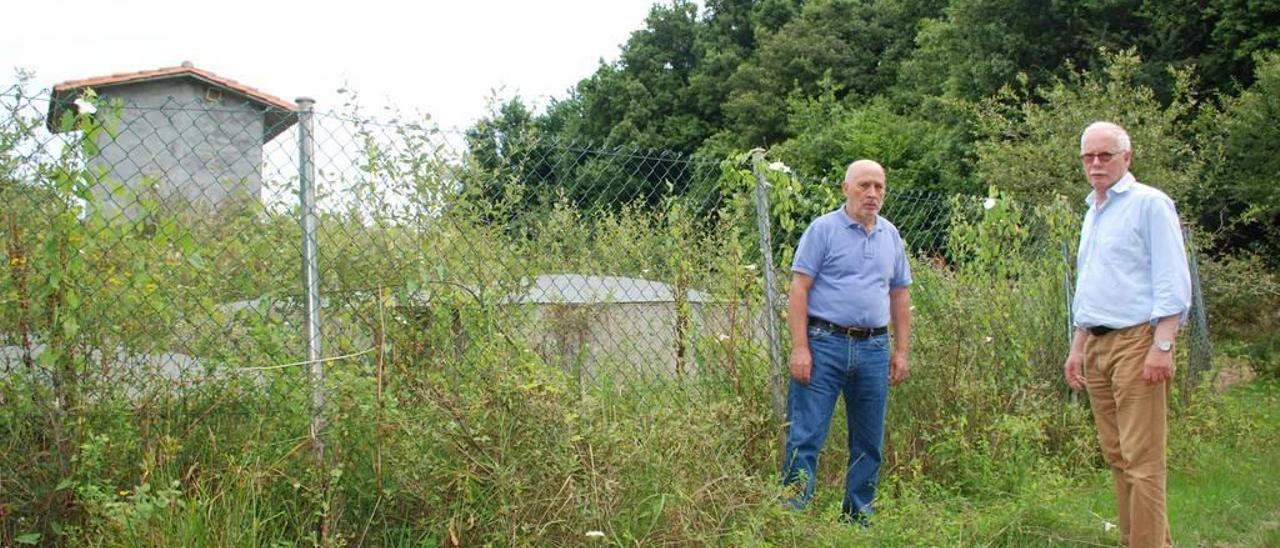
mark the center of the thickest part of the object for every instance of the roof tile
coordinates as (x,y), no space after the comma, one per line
(168,72)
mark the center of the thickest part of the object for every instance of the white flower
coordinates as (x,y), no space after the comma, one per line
(1107,526)
(750,267)
(84,107)
(988,203)
(595,534)
(722,337)
(779,166)
(987,339)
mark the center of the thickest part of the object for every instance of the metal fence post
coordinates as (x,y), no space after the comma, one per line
(1067,278)
(310,275)
(770,296)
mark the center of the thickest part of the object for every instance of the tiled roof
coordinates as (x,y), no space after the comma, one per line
(279,114)
(171,72)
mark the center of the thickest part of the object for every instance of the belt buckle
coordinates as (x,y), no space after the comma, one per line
(857,332)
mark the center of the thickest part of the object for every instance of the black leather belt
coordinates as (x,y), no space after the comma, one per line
(852,332)
(1100,330)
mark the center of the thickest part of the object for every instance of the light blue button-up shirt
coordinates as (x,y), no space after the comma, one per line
(1131,266)
(852,270)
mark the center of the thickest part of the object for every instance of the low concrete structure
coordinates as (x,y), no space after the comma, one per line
(630,329)
(591,327)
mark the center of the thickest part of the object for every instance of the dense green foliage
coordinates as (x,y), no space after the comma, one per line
(1240,151)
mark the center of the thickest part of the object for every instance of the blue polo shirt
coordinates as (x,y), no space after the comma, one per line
(852,270)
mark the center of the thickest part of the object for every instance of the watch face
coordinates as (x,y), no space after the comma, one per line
(1164,346)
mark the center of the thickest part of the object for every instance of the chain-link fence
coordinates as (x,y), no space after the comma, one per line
(189,263)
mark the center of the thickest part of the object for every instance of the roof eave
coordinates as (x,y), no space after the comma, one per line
(278,116)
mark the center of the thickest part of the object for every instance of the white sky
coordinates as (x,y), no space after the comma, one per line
(445,58)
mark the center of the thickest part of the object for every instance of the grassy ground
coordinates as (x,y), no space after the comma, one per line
(1223,493)
(1224,453)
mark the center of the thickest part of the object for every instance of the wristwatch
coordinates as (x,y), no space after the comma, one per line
(1163,345)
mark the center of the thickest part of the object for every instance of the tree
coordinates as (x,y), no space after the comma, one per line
(1031,139)
(1241,200)
(644,100)
(979,46)
(509,165)
(915,152)
(1219,37)
(854,44)
(1241,29)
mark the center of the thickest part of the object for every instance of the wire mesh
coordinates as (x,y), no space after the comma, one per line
(154,270)
(181,266)
(178,248)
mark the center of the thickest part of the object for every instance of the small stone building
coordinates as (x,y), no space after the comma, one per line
(186,137)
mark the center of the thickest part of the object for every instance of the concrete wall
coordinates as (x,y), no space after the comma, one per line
(182,145)
(633,341)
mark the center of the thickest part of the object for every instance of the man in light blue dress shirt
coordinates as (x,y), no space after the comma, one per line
(1133,290)
(850,280)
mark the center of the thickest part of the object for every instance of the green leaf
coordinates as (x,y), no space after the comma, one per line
(90,141)
(47,358)
(186,243)
(27,538)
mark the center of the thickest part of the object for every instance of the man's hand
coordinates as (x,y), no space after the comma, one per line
(899,367)
(1074,371)
(1158,366)
(801,364)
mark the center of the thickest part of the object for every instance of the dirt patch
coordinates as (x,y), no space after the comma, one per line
(1231,374)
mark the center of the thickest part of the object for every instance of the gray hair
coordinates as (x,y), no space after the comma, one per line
(1118,133)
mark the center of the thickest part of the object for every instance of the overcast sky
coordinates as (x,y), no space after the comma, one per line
(445,58)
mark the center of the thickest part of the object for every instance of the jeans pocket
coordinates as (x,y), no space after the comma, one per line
(880,342)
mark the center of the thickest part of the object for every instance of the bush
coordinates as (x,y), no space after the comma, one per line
(1242,294)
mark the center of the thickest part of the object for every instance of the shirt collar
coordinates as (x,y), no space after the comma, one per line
(848,221)
(1120,187)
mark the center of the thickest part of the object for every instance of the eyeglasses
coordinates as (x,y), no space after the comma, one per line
(1103,157)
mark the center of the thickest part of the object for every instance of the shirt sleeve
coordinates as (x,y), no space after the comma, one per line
(1075,295)
(810,251)
(901,267)
(1170,277)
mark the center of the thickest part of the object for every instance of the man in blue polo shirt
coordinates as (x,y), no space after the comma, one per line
(850,280)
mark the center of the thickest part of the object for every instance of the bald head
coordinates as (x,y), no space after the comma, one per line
(863,167)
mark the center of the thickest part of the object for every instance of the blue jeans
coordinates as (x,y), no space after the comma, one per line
(858,369)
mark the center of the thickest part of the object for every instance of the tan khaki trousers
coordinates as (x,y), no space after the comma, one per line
(1131,419)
